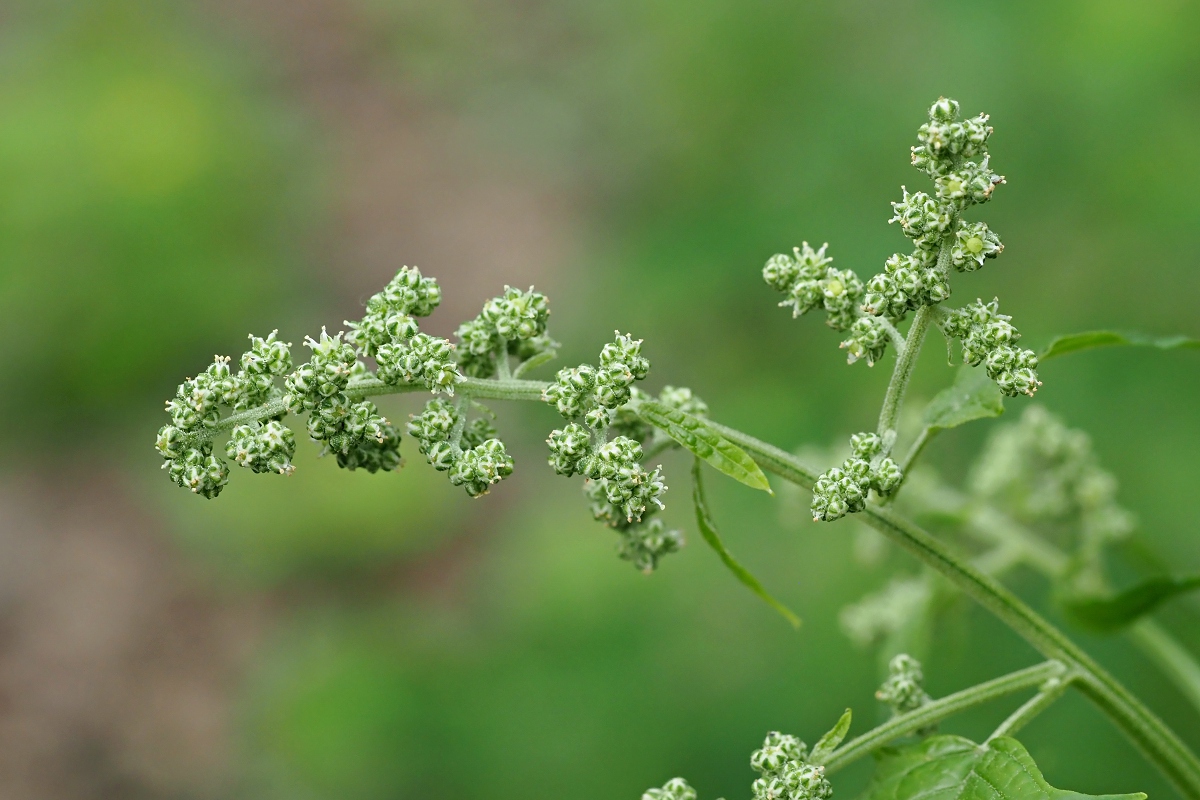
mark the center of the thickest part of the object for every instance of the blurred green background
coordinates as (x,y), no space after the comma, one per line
(173,176)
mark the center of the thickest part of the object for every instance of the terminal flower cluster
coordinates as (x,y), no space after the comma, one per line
(988,338)
(472,455)
(513,324)
(844,490)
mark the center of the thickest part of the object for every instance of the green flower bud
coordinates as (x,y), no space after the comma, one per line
(646,544)
(777,751)
(200,471)
(974,242)
(263,447)
(868,340)
(568,447)
(902,690)
(674,789)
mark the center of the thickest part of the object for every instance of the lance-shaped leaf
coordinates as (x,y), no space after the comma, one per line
(1116,611)
(954,768)
(823,749)
(973,396)
(708,530)
(1090,340)
(704,442)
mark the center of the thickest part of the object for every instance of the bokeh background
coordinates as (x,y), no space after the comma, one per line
(174,175)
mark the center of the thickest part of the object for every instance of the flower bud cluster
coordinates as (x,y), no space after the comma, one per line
(1041,471)
(263,447)
(809,282)
(512,324)
(844,490)
(623,493)
(906,284)
(388,332)
(988,337)
(945,140)
(353,430)
(593,394)
(644,545)
(785,773)
(974,242)
(674,789)
(903,690)
(472,455)
(186,444)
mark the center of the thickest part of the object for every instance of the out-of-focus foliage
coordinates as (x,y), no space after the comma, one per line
(146,193)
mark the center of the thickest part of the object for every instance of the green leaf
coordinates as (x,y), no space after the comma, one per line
(973,396)
(954,768)
(1117,611)
(823,749)
(704,442)
(535,361)
(709,531)
(1075,342)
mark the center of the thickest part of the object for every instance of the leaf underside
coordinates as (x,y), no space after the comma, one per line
(953,768)
(1115,612)
(704,442)
(972,396)
(1090,340)
(708,530)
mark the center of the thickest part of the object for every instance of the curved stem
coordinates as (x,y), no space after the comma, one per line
(937,710)
(1156,741)
(1170,657)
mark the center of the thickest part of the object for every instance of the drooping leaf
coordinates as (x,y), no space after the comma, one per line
(704,442)
(1116,611)
(708,530)
(954,768)
(1090,340)
(973,396)
(824,748)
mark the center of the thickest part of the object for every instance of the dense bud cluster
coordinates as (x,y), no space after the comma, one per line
(1041,471)
(388,332)
(809,282)
(622,491)
(674,789)
(988,337)
(844,490)
(186,443)
(263,447)
(785,773)
(953,153)
(472,455)
(511,324)
(903,690)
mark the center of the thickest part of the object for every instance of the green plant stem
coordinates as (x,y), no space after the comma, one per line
(906,362)
(1156,741)
(927,435)
(1050,691)
(934,711)
(1180,666)
(503,370)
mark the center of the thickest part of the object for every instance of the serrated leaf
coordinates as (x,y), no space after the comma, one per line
(1090,340)
(1115,612)
(824,748)
(954,768)
(708,530)
(704,442)
(973,396)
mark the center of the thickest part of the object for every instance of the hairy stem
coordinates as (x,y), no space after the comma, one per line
(1050,691)
(926,436)
(503,371)
(1156,741)
(937,710)
(906,362)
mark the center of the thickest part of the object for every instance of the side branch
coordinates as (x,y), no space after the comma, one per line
(937,710)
